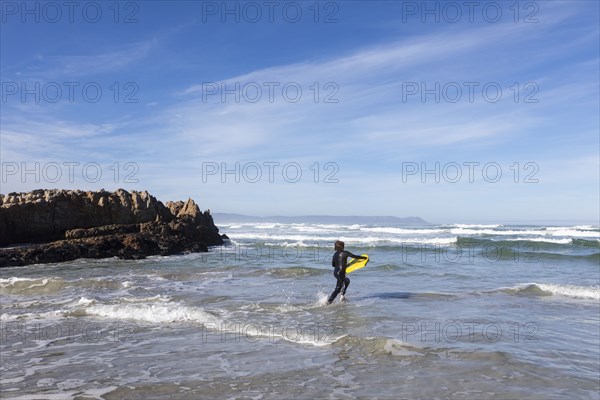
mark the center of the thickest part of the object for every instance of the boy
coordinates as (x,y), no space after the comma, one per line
(339,262)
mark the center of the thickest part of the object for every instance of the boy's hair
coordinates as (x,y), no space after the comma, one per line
(339,245)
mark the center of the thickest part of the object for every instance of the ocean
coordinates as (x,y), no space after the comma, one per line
(457,311)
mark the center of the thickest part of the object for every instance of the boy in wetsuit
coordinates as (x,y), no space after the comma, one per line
(339,262)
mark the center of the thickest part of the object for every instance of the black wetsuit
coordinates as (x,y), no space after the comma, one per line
(339,262)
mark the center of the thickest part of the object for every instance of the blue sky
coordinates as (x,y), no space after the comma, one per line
(228,102)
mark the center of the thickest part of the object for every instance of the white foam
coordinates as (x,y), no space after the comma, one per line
(439,241)
(476,232)
(578,292)
(314,229)
(5,317)
(43,282)
(337,227)
(231,226)
(6,282)
(266,236)
(306,235)
(305,240)
(544,239)
(13,279)
(404,231)
(84,301)
(289,244)
(18,285)
(265,226)
(153,312)
(573,232)
(160,311)
(322,298)
(477,225)
(542,232)
(586,227)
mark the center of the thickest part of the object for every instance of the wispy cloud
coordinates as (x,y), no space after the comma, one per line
(109,61)
(371,108)
(49,67)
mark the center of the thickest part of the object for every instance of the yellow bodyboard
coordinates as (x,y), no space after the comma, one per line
(354,264)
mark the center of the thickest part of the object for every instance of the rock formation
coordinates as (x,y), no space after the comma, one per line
(73,224)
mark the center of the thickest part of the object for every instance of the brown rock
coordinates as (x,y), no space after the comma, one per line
(99,224)
(44,215)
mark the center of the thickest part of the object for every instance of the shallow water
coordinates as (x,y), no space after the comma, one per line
(449,311)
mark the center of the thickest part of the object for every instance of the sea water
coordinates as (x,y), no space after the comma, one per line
(441,311)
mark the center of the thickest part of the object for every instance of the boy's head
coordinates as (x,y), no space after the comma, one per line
(339,245)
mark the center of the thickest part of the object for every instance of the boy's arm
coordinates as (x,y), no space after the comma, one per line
(355,256)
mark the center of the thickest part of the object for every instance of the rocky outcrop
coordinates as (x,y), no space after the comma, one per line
(76,224)
(44,215)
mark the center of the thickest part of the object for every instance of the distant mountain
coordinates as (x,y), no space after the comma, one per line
(320,219)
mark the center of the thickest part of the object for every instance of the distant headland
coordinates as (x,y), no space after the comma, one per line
(323,219)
